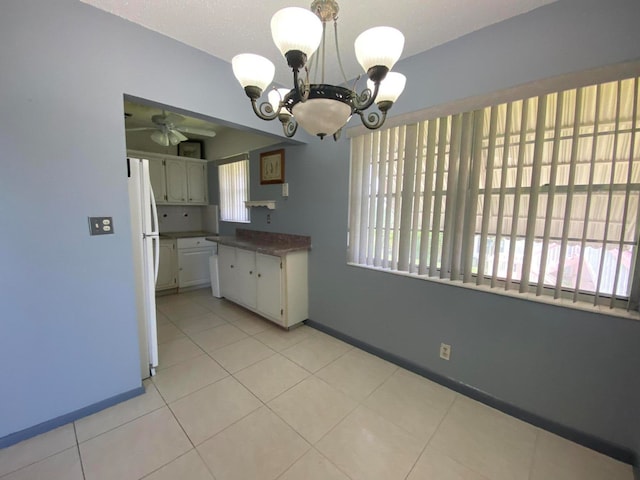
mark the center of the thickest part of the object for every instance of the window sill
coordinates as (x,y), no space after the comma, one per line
(583,306)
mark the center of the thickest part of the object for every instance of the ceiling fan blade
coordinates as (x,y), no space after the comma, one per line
(139,129)
(167,118)
(196,131)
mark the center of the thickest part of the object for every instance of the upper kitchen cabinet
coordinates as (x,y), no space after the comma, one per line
(158,179)
(197,182)
(176,180)
(176,171)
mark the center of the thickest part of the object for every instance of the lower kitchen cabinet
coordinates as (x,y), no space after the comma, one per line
(246,271)
(272,286)
(226,272)
(269,285)
(167,270)
(193,261)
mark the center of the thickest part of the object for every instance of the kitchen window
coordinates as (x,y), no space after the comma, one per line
(538,196)
(233,177)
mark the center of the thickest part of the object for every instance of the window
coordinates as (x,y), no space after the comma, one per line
(233,178)
(539,195)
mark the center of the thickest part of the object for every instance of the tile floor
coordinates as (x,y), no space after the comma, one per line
(236,398)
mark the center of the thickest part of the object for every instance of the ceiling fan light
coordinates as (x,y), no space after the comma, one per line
(175,137)
(379,46)
(390,88)
(160,138)
(253,70)
(295,28)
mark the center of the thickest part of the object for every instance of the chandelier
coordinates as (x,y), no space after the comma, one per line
(322,109)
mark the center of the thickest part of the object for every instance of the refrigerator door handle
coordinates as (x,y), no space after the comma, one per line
(155,227)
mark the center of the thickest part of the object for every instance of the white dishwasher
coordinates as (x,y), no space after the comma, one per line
(193,261)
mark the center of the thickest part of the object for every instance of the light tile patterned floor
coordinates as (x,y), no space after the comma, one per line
(237,398)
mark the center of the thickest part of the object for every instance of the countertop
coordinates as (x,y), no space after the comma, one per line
(278,244)
(196,233)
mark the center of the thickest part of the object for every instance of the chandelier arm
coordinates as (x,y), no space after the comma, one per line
(301,86)
(372,120)
(265,110)
(290,127)
(366,98)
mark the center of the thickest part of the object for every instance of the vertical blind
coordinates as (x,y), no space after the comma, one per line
(539,195)
(233,178)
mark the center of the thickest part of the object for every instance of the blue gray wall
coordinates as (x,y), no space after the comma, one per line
(68,332)
(68,314)
(572,367)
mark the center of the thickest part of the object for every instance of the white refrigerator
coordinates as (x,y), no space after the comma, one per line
(146,239)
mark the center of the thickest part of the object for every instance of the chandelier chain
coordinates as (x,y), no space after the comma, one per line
(335,30)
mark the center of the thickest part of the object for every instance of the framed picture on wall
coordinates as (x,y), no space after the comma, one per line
(191,149)
(272,167)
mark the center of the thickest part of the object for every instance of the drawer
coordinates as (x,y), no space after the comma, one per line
(194,242)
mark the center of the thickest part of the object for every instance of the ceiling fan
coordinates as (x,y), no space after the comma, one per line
(168,131)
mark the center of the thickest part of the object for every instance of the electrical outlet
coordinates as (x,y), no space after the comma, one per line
(445,351)
(268,218)
(100,225)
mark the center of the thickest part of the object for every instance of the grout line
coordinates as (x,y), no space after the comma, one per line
(455,397)
(75,433)
(533,455)
(181,427)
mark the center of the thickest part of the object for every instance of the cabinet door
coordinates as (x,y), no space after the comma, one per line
(193,267)
(176,181)
(269,289)
(167,277)
(246,277)
(227,272)
(158,180)
(196,182)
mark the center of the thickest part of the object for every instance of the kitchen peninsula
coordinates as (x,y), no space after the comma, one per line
(266,273)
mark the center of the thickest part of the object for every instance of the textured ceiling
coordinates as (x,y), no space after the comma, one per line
(225,28)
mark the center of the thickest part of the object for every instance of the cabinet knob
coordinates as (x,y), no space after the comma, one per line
(259,275)
(250,272)
(231,266)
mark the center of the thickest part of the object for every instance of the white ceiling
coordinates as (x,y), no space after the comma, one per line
(225,28)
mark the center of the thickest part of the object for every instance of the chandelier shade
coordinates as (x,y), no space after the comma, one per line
(379,46)
(320,108)
(390,88)
(276,96)
(325,111)
(253,70)
(296,29)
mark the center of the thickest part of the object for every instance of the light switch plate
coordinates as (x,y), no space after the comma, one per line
(285,189)
(100,225)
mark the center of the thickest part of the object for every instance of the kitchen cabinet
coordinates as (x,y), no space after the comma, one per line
(246,266)
(158,180)
(269,286)
(196,182)
(176,173)
(176,180)
(193,261)
(236,268)
(167,270)
(272,286)
(226,271)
